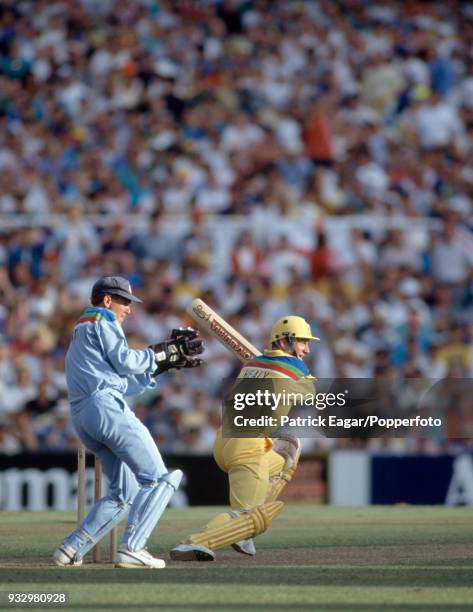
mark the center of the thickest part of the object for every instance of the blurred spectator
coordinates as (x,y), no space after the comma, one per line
(246,258)
(323,259)
(57,434)
(451,258)
(9,440)
(44,402)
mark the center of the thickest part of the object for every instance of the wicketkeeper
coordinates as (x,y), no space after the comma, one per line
(257,468)
(101,369)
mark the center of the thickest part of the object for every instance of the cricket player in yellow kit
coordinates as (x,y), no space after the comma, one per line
(257,468)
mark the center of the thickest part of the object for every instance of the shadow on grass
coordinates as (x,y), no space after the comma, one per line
(321,576)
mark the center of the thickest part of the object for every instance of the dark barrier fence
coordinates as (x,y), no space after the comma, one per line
(49,480)
(445,479)
(42,481)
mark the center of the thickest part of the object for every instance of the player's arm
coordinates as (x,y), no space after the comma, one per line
(125,361)
(137,383)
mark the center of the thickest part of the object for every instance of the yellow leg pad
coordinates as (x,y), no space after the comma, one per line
(219,520)
(244,525)
(277,484)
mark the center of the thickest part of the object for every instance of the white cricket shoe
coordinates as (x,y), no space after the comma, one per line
(139,558)
(65,556)
(191,552)
(246,547)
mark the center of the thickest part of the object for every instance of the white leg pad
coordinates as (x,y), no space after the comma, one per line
(147,509)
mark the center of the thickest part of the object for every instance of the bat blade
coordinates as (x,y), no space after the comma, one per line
(208,320)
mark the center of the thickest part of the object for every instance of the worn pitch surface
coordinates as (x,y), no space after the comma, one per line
(313,557)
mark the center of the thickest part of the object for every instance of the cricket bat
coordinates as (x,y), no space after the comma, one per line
(209,321)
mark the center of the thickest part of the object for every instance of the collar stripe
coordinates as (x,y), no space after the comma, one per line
(95,315)
(277,367)
(91,319)
(285,362)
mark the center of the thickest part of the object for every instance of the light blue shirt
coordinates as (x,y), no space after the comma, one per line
(99,360)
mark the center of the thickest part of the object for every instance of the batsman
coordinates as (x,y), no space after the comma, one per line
(258,468)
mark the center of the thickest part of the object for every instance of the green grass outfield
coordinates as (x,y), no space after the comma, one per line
(312,557)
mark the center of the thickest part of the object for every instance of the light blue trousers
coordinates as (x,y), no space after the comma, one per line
(130,460)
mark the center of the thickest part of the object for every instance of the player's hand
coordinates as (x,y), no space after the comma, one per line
(289,447)
(178,352)
(188,340)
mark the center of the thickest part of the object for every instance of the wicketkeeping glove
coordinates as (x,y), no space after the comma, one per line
(179,351)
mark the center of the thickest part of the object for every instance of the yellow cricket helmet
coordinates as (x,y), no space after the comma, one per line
(291,327)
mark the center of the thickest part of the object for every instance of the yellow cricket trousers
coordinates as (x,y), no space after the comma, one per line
(250,464)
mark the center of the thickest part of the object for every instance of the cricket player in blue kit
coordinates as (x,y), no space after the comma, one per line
(100,370)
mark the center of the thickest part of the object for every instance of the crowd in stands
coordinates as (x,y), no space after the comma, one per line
(271,157)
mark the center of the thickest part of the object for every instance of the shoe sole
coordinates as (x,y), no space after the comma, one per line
(125,565)
(191,555)
(243,551)
(135,563)
(59,564)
